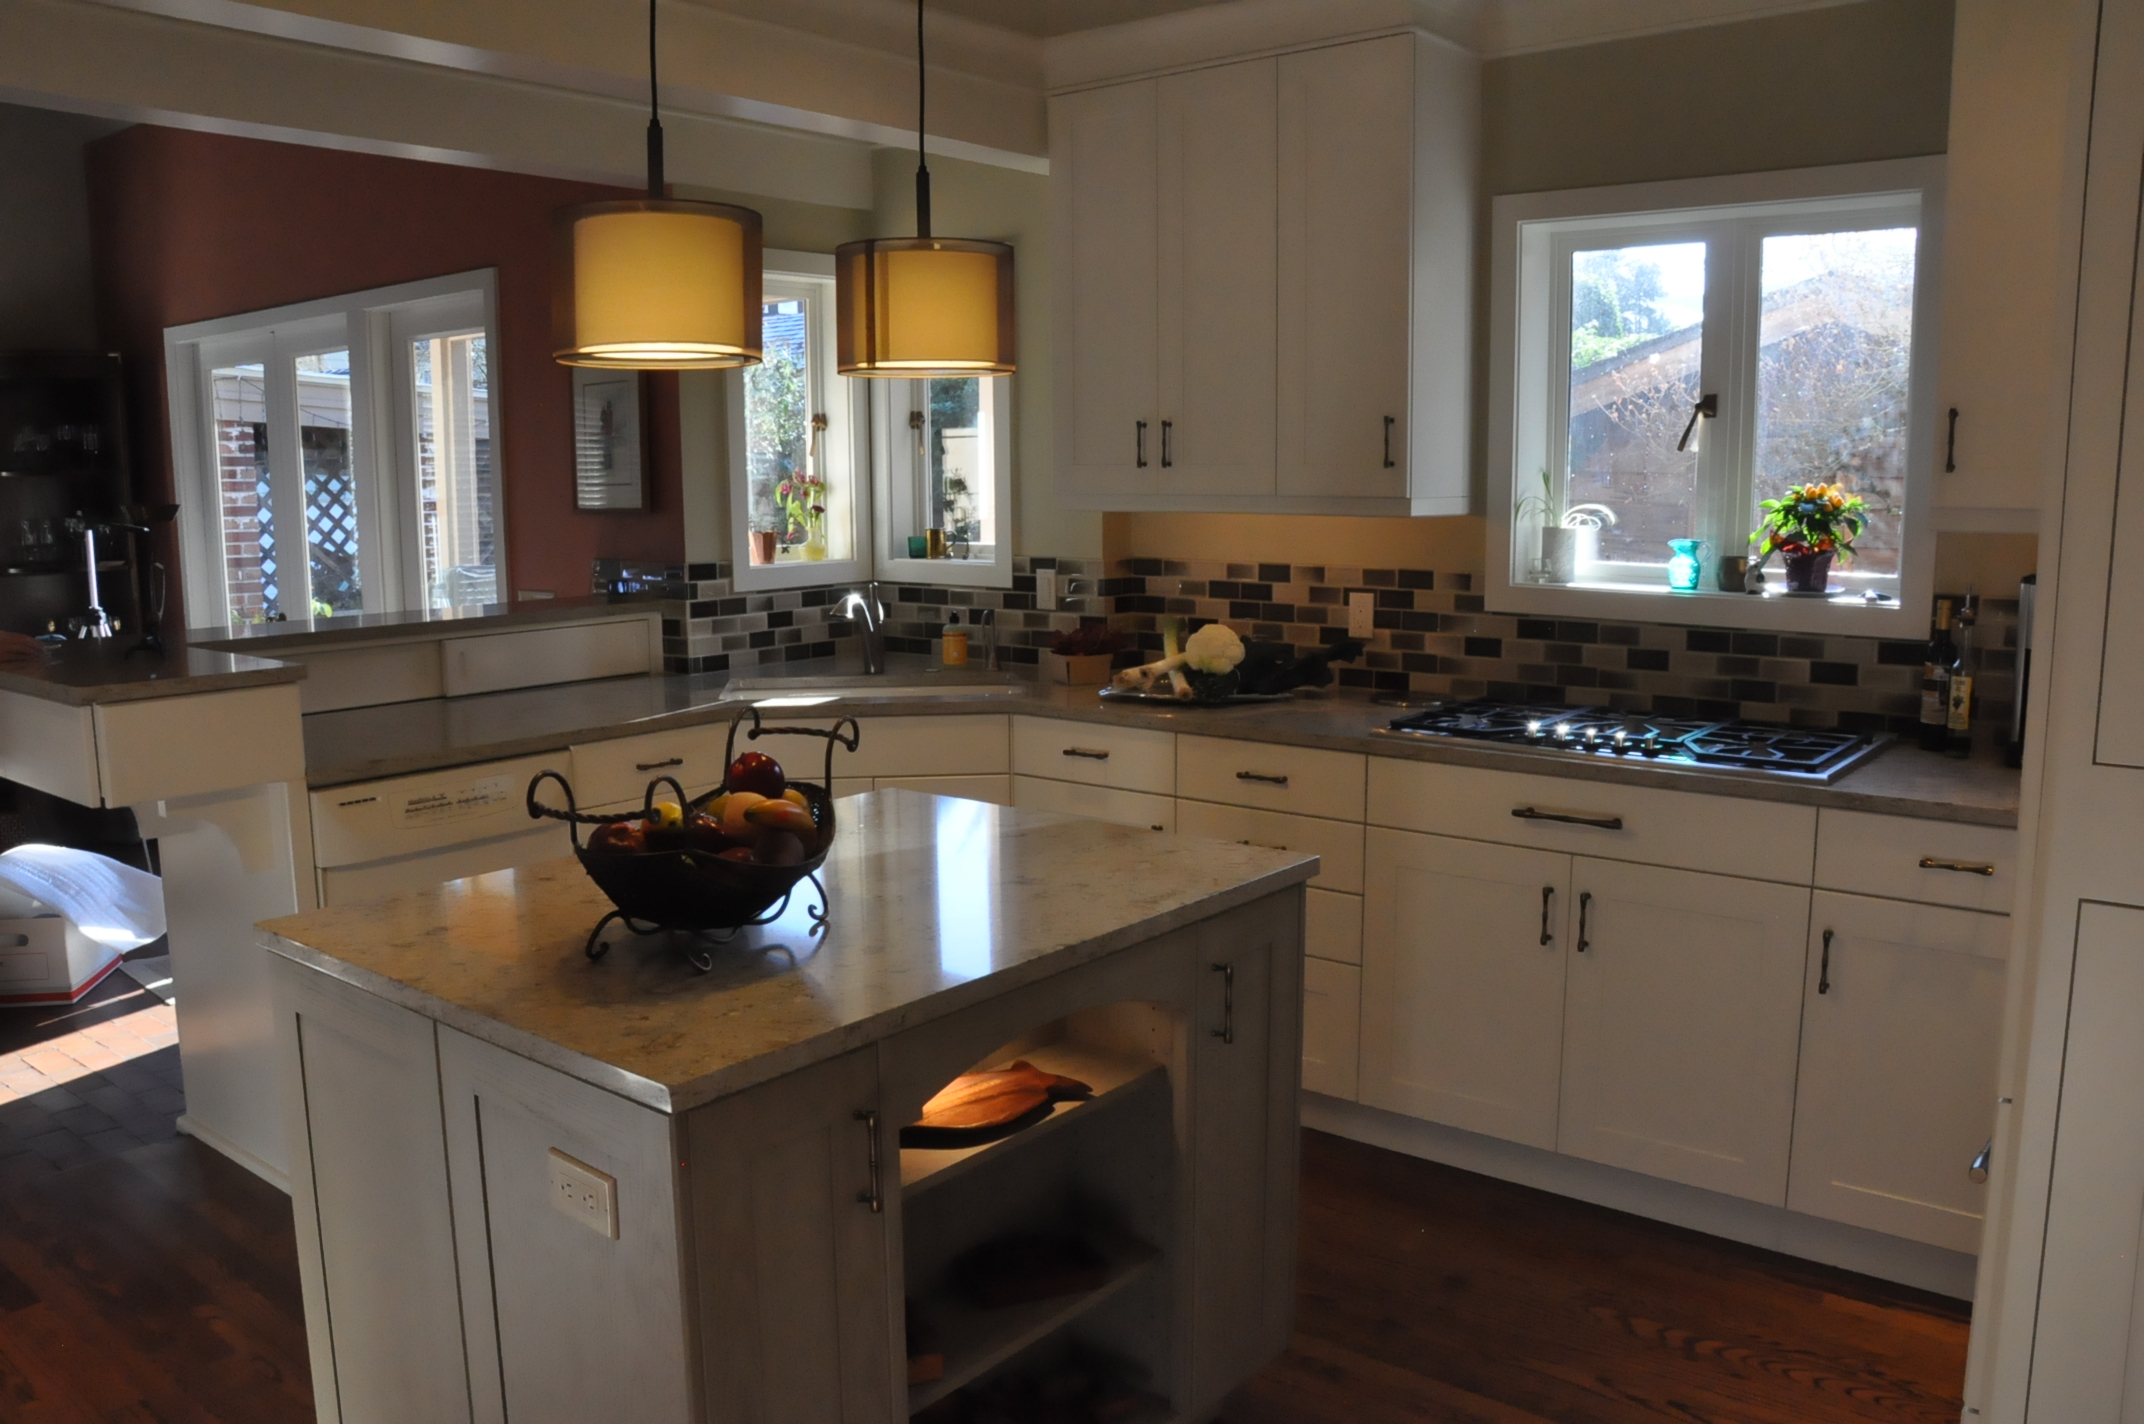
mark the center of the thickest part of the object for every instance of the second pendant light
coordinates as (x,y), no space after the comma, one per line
(922,306)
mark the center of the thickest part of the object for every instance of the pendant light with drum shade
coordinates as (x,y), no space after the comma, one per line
(657,283)
(912,307)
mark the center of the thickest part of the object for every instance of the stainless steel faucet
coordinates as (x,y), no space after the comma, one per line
(868,612)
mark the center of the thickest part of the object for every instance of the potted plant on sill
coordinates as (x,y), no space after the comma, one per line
(803,500)
(1570,538)
(1809,526)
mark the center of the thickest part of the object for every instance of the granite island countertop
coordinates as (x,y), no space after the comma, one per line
(83,674)
(367,743)
(1032,894)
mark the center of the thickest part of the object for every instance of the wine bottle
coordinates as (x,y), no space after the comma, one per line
(1958,724)
(1935,682)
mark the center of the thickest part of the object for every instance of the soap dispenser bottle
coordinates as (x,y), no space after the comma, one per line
(953,642)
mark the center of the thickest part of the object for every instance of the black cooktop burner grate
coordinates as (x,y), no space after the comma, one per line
(1758,748)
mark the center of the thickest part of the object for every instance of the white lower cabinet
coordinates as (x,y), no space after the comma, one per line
(1332,1021)
(1901,1024)
(1336,844)
(1096,803)
(1463,970)
(1681,1025)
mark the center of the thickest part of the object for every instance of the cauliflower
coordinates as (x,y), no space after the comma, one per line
(1214,648)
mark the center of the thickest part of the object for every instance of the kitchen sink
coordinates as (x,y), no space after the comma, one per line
(908,687)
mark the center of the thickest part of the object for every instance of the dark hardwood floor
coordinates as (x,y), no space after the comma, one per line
(161,1284)
(1428,1293)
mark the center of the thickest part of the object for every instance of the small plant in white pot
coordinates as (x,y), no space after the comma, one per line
(1570,539)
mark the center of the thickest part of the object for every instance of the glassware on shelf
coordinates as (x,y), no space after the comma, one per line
(1686,564)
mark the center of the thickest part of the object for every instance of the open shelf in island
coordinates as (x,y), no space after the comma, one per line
(1115,1077)
(977,1339)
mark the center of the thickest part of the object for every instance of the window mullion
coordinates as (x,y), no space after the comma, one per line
(286,484)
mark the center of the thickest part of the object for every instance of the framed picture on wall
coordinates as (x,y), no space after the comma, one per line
(609,457)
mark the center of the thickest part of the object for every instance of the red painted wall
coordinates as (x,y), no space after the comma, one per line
(190,226)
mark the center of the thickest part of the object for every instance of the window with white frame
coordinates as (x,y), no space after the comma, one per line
(1669,356)
(338,456)
(835,480)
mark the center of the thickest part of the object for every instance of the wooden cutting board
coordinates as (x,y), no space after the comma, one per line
(980,1107)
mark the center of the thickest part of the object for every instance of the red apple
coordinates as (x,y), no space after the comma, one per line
(756,771)
(780,848)
(618,838)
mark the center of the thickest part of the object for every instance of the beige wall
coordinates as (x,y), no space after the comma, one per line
(46,298)
(1003,205)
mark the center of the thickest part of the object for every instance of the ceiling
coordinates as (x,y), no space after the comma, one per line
(1045,18)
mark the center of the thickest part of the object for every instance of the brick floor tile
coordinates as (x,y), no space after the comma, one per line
(24,1167)
(84,1120)
(164,1100)
(59,1146)
(108,1097)
(112,1143)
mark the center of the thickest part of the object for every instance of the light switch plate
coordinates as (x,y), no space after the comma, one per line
(585,1194)
(1361,615)
(1046,589)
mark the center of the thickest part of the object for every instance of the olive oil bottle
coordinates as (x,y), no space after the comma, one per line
(1935,682)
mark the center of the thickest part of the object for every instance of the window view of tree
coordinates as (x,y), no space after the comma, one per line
(1834,361)
(777,401)
(957,494)
(1637,354)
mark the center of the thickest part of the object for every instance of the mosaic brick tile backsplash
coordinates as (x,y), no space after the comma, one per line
(1433,637)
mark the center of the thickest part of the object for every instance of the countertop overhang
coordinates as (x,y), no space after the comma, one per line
(935,904)
(115,670)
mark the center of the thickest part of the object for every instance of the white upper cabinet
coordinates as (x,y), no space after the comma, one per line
(2020,81)
(1262,275)
(1218,176)
(1106,275)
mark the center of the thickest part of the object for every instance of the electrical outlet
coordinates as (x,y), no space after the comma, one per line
(1361,615)
(1045,588)
(588,1196)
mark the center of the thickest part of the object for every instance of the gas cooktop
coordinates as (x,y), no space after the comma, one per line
(1762,750)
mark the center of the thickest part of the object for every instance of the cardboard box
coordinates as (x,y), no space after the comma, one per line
(46,960)
(1086,670)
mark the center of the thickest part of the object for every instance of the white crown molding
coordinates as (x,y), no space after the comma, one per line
(842,69)
(1494,29)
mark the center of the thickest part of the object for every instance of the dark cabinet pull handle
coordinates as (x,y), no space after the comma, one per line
(1823,968)
(1227,1031)
(1142,442)
(657,765)
(1963,867)
(1388,441)
(1605,823)
(1167,459)
(1089,753)
(1978,1172)
(1265,777)
(1548,893)
(871,1196)
(1585,903)
(1950,451)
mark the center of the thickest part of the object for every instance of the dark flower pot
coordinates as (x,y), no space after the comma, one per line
(1808,573)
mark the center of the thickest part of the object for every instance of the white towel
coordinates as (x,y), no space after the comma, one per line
(112,903)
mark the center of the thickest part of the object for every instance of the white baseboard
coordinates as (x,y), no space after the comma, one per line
(1852,1248)
(273,1176)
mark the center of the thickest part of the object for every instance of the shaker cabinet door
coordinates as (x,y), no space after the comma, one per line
(1681,1024)
(1217,175)
(1463,952)
(789,1254)
(1106,288)
(1346,225)
(1901,1027)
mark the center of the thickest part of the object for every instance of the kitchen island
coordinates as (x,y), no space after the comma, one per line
(534,1185)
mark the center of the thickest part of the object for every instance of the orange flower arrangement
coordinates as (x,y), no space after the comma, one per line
(1815,518)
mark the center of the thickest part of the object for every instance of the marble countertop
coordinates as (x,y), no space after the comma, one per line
(300,634)
(85,673)
(368,743)
(937,904)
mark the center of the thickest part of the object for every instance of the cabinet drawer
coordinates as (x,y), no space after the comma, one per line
(345,884)
(539,657)
(1301,780)
(1332,926)
(1127,758)
(378,820)
(1096,803)
(1934,862)
(620,769)
(1332,1027)
(950,745)
(1762,840)
(1337,844)
(997,790)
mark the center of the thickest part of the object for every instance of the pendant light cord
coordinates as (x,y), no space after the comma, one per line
(923,168)
(655,120)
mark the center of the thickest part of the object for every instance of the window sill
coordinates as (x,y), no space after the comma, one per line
(1775,610)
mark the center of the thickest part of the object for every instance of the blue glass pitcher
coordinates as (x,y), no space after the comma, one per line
(1686,564)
